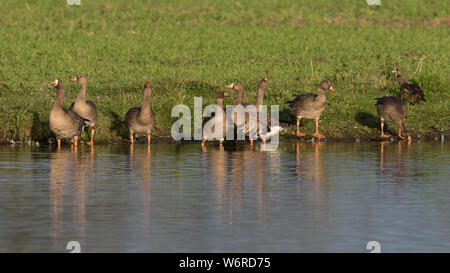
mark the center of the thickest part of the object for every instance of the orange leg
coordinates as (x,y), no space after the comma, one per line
(148,139)
(59,143)
(91,142)
(75,142)
(131,139)
(264,141)
(251,142)
(382,130)
(298,130)
(317,135)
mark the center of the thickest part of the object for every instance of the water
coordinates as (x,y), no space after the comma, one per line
(305,197)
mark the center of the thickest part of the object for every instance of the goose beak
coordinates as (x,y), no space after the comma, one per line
(331,89)
(229,86)
(74,79)
(267,79)
(226,94)
(54,83)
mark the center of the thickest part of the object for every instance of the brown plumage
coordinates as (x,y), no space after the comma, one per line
(311,106)
(141,119)
(85,109)
(391,108)
(64,124)
(219,101)
(410,91)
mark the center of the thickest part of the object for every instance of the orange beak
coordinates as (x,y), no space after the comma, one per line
(226,94)
(331,89)
(74,79)
(267,79)
(229,86)
(53,83)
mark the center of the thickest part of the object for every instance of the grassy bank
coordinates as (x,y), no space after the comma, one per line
(194,49)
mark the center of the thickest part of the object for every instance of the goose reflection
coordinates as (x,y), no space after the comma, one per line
(392,163)
(68,182)
(143,164)
(309,168)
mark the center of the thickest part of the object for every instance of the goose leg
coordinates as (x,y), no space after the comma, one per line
(382,130)
(59,143)
(148,139)
(317,135)
(298,125)
(75,141)
(91,142)
(131,137)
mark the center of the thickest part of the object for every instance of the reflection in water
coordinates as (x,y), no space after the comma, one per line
(393,166)
(320,197)
(145,176)
(309,168)
(68,179)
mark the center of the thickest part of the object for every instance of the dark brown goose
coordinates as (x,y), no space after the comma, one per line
(85,109)
(410,91)
(219,100)
(391,108)
(141,119)
(311,106)
(64,124)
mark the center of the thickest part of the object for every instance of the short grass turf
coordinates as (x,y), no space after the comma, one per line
(194,48)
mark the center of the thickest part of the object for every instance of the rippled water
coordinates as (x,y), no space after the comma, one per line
(305,197)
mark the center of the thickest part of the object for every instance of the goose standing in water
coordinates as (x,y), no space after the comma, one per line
(410,91)
(391,108)
(64,124)
(141,119)
(214,118)
(311,106)
(85,109)
(237,87)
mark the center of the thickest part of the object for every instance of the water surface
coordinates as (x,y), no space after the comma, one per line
(304,197)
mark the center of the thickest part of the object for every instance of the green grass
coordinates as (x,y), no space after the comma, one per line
(196,48)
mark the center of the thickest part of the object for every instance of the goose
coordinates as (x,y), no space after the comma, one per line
(237,87)
(214,118)
(391,108)
(311,106)
(85,109)
(141,119)
(64,124)
(410,91)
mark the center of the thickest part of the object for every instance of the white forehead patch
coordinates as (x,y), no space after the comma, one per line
(232,85)
(56,81)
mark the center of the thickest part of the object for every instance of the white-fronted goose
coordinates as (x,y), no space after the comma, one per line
(64,124)
(237,87)
(141,119)
(261,89)
(311,106)
(213,118)
(391,108)
(410,91)
(85,109)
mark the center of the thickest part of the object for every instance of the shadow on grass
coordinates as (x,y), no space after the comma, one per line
(367,119)
(40,130)
(287,116)
(118,125)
